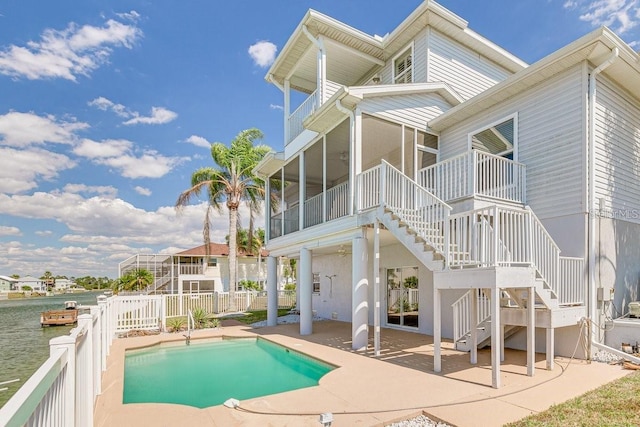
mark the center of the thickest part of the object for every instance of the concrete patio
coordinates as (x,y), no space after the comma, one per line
(365,390)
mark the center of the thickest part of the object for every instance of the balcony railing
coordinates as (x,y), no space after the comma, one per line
(191,269)
(476,173)
(307,108)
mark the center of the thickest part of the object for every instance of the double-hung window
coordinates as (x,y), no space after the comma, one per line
(403,67)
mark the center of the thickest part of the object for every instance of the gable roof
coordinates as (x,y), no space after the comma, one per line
(8,279)
(355,53)
(593,47)
(216,249)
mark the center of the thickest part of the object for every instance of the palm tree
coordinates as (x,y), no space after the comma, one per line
(134,280)
(231,182)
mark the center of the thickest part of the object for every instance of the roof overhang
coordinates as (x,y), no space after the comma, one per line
(365,54)
(348,97)
(593,47)
(270,164)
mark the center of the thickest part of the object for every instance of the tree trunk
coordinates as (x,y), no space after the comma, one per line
(233,257)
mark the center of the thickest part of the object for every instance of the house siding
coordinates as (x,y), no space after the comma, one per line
(411,110)
(465,70)
(551,119)
(617,151)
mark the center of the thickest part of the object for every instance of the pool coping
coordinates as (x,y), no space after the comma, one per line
(362,388)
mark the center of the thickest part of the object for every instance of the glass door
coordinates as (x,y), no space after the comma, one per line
(402,296)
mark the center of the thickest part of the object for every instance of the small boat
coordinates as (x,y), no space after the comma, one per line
(68,316)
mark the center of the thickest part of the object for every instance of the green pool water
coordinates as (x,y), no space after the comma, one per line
(208,374)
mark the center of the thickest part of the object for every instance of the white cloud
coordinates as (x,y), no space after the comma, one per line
(105,104)
(20,169)
(107,148)
(142,190)
(263,53)
(24,129)
(76,50)
(9,231)
(44,233)
(276,107)
(151,164)
(198,141)
(130,16)
(620,15)
(158,116)
(104,190)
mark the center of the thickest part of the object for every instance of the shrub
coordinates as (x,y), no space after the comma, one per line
(175,324)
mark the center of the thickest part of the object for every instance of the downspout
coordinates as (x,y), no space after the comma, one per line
(352,148)
(591,197)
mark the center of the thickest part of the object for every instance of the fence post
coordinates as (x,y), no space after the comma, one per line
(96,353)
(84,373)
(447,236)
(68,344)
(382,183)
(496,234)
(102,312)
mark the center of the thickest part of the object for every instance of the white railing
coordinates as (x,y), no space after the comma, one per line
(338,201)
(190,268)
(475,173)
(291,222)
(462,313)
(275,226)
(368,189)
(545,253)
(63,390)
(137,312)
(296,118)
(571,289)
(313,211)
(399,298)
(423,212)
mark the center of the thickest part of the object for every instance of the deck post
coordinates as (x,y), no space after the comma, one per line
(68,344)
(437,330)
(104,331)
(531,331)
(550,347)
(85,396)
(306,289)
(272,291)
(495,336)
(473,327)
(359,298)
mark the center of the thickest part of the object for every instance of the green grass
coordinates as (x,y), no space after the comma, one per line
(258,316)
(614,404)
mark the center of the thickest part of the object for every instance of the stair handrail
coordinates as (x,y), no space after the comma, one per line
(548,266)
(423,211)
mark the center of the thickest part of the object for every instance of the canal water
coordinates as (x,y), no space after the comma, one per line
(24,345)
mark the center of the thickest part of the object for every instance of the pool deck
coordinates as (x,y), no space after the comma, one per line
(364,390)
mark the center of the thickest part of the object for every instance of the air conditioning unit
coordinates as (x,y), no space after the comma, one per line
(634,309)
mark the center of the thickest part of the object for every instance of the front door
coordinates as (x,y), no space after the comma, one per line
(402,296)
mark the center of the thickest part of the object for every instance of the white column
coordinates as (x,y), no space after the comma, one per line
(287,111)
(68,343)
(437,330)
(305,280)
(473,325)
(102,304)
(550,347)
(376,287)
(272,291)
(495,337)
(531,331)
(303,191)
(359,295)
(84,369)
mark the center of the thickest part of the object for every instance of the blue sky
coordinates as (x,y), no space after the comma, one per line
(107,108)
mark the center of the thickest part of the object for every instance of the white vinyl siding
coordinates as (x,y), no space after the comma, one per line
(617,150)
(551,141)
(465,70)
(411,110)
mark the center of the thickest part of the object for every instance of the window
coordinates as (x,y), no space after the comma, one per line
(403,67)
(498,138)
(316,283)
(212,262)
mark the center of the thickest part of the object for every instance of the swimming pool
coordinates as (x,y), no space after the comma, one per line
(207,374)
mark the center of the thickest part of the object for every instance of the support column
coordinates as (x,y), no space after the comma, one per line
(272,291)
(531,331)
(376,287)
(359,295)
(473,325)
(551,341)
(437,329)
(305,280)
(495,337)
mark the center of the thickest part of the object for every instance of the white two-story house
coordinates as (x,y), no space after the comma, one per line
(430,177)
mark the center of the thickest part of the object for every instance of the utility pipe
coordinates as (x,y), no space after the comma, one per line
(591,192)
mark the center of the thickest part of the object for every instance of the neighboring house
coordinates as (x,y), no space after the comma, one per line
(64,284)
(192,271)
(433,174)
(7,283)
(34,283)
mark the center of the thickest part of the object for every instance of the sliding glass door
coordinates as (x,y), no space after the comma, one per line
(402,296)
